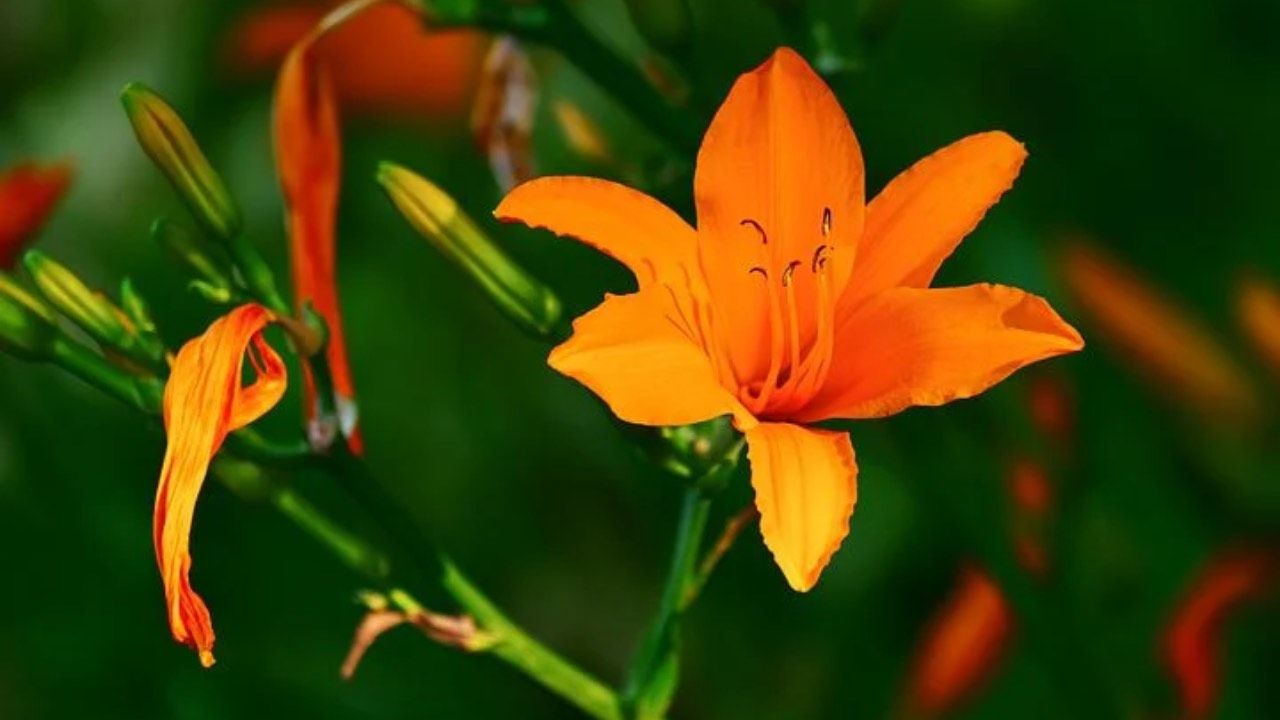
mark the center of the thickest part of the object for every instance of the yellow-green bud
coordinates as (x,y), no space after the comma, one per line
(170,145)
(71,297)
(27,327)
(438,218)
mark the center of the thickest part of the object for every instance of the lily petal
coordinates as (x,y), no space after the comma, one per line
(633,354)
(203,401)
(779,187)
(806,486)
(911,346)
(916,222)
(625,224)
(309,161)
(28,193)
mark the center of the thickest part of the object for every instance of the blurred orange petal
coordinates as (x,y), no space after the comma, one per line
(962,645)
(1191,643)
(1258,311)
(28,193)
(384,61)
(203,401)
(1160,341)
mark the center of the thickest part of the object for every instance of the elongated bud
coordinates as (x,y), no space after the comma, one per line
(665,24)
(211,272)
(71,297)
(439,219)
(171,146)
(135,306)
(27,327)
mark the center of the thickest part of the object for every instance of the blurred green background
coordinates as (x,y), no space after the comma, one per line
(1151,127)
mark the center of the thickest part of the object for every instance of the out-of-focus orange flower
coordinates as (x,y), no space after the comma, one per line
(962,645)
(203,401)
(1191,643)
(1161,342)
(383,62)
(28,193)
(1258,310)
(309,161)
(1032,493)
(762,313)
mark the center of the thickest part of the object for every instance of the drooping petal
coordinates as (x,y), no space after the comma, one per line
(625,224)
(1161,342)
(634,354)
(203,401)
(964,642)
(923,214)
(384,61)
(28,193)
(805,482)
(912,346)
(309,162)
(779,192)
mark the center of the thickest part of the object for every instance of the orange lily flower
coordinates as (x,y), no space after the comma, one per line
(309,161)
(764,312)
(203,401)
(28,193)
(384,62)
(1192,639)
(963,644)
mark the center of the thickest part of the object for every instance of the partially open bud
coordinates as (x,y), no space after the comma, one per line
(27,326)
(212,274)
(70,296)
(439,219)
(171,146)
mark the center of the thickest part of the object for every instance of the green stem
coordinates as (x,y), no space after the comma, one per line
(351,550)
(518,649)
(654,674)
(140,393)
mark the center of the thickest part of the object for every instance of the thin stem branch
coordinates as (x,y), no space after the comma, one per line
(732,528)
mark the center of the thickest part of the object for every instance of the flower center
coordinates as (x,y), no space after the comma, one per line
(795,370)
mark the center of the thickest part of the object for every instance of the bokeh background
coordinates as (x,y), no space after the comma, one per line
(1152,135)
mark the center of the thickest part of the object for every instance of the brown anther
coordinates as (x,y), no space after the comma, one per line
(763,273)
(819,258)
(826,222)
(748,222)
(789,271)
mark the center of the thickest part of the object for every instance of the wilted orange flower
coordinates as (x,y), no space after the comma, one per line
(964,642)
(384,62)
(1258,310)
(1192,640)
(1161,341)
(309,161)
(28,193)
(203,401)
(794,302)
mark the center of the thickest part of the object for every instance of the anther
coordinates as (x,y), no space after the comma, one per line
(789,271)
(748,222)
(826,222)
(763,273)
(819,258)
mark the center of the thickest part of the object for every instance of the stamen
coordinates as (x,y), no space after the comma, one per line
(819,258)
(788,272)
(764,238)
(776,348)
(826,222)
(763,273)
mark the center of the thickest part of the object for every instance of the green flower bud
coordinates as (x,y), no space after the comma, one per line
(169,143)
(693,452)
(438,218)
(28,328)
(70,296)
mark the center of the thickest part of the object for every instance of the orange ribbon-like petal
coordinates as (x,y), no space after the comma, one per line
(309,161)
(203,401)
(28,193)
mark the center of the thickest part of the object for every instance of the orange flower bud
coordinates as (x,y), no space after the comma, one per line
(1258,311)
(27,195)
